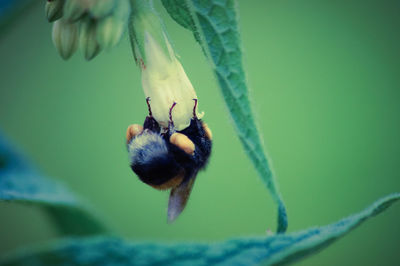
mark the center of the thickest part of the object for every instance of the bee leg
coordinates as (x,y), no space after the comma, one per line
(194,108)
(150,123)
(171,121)
(207,130)
(148,106)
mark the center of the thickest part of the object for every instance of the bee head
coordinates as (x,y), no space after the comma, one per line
(151,160)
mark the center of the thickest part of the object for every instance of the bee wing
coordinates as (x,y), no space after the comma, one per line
(179,197)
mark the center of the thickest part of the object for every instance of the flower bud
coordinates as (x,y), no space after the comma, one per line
(87,39)
(54,9)
(74,9)
(65,37)
(101,8)
(111,28)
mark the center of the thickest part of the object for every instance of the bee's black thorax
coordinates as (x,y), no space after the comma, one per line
(151,124)
(195,133)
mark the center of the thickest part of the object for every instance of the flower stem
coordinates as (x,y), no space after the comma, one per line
(144,19)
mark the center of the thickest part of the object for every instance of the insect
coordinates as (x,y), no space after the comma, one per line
(166,158)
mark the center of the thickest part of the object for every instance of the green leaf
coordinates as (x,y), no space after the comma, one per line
(272,250)
(179,11)
(21,183)
(215,21)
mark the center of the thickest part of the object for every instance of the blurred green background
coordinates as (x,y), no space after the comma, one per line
(325,83)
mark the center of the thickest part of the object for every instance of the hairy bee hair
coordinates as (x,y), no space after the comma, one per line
(151,159)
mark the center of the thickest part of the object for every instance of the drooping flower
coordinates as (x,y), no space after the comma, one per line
(164,80)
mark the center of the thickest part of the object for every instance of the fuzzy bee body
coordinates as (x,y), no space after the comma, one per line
(169,159)
(151,159)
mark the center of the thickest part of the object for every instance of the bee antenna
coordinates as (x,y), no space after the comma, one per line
(148,106)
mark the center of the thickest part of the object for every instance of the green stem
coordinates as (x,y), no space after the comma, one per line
(144,19)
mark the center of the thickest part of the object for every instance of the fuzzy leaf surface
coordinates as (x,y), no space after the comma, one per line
(20,182)
(279,249)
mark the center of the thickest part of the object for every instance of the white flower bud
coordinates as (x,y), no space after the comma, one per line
(65,37)
(101,8)
(74,9)
(111,28)
(87,40)
(165,82)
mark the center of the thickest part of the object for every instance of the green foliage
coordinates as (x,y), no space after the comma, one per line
(273,250)
(21,183)
(145,19)
(216,24)
(179,11)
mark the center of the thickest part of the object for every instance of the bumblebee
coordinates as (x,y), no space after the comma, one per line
(166,158)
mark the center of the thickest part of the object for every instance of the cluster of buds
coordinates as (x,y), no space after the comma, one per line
(93,25)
